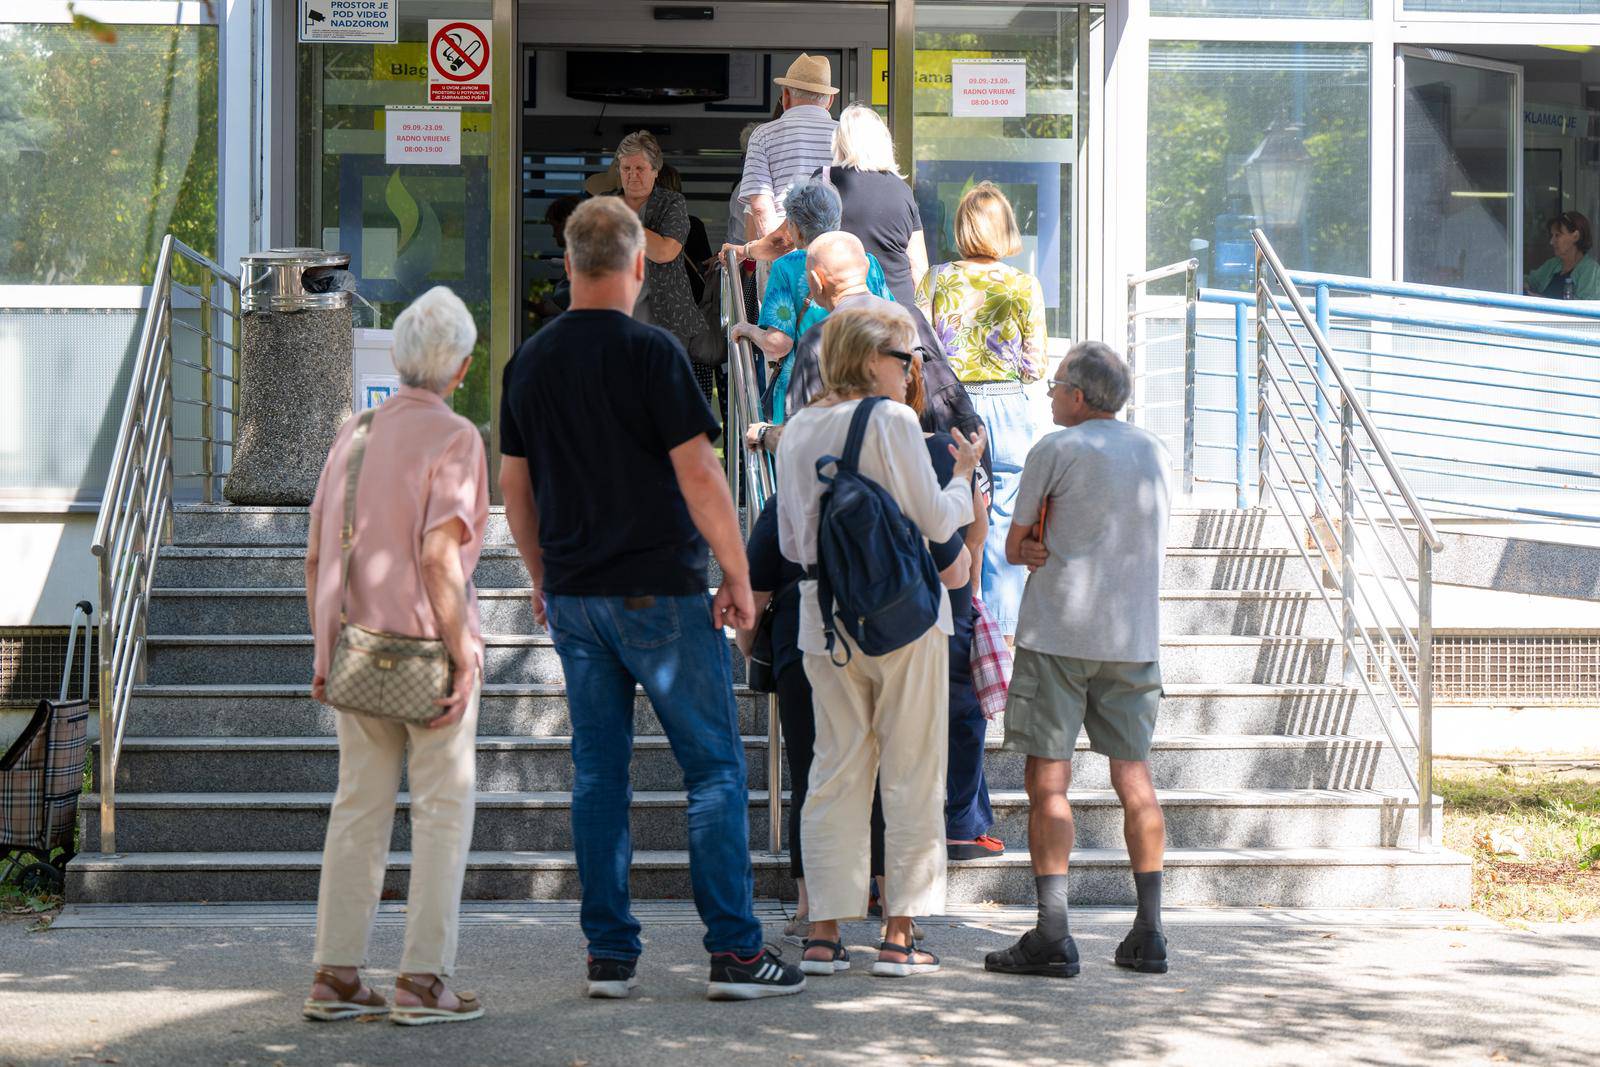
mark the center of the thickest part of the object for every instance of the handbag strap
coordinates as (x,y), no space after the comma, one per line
(352,479)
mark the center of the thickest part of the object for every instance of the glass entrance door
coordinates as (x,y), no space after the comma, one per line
(998,94)
(1459,182)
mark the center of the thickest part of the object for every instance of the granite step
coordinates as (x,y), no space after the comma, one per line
(523,764)
(1286,878)
(179,612)
(286,658)
(542,711)
(542,821)
(201,525)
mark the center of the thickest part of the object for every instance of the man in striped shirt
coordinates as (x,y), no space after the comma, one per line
(789,148)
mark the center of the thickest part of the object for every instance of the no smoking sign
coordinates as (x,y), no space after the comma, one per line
(458,61)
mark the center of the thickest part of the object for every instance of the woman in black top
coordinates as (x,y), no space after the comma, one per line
(878,205)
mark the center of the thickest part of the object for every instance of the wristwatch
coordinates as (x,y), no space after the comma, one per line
(761,434)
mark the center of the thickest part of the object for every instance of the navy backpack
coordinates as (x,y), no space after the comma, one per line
(873,570)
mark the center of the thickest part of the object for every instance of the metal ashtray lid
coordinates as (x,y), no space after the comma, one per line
(293,279)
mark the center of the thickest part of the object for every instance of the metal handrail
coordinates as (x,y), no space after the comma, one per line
(753,480)
(1137,407)
(135,517)
(1332,506)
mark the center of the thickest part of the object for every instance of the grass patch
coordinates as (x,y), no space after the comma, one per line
(1534,837)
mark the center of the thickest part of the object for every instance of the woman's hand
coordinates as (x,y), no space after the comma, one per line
(746,331)
(762,435)
(968,451)
(319,689)
(455,705)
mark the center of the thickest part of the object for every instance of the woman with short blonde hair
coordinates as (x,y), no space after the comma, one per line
(877,717)
(989,316)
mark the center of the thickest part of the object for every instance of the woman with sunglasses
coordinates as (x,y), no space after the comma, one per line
(879,719)
(1569,274)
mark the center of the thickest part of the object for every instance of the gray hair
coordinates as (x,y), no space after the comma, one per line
(813,206)
(640,143)
(800,96)
(862,140)
(432,338)
(744,136)
(603,237)
(1103,376)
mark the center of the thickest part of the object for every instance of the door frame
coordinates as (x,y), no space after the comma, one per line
(1514,213)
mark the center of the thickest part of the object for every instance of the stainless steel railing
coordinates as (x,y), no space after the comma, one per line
(752,479)
(1139,341)
(136,512)
(1325,467)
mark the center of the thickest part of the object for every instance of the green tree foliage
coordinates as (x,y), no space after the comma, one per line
(1210,106)
(108,141)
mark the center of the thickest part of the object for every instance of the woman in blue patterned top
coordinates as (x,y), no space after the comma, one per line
(811,209)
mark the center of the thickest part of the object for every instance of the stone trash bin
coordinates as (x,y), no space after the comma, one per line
(294,373)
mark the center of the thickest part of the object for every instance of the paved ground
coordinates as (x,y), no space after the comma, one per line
(224,987)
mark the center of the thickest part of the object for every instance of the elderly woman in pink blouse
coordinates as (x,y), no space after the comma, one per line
(421,510)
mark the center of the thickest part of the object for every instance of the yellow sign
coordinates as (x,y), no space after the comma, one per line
(932,70)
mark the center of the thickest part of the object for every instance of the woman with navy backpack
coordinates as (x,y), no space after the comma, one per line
(881,713)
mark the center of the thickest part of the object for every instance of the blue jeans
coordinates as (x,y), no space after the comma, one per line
(1010,428)
(668,645)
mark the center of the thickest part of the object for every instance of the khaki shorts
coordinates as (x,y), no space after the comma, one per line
(1052,697)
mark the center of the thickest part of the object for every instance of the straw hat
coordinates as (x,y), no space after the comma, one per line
(809,74)
(607,181)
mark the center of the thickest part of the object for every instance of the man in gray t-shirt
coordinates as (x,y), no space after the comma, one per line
(1090,523)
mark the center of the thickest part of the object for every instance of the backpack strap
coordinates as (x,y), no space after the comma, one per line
(858,433)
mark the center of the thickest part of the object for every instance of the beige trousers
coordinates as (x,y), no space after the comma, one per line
(442,778)
(884,720)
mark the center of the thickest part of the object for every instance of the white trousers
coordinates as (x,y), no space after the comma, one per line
(442,777)
(880,720)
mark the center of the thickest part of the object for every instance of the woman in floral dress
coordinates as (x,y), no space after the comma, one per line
(990,318)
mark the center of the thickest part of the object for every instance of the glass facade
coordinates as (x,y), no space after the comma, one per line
(108,141)
(407,227)
(1277,9)
(1507,7)
(1250,134)
(1033,156)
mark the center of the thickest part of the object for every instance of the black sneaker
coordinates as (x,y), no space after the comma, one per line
(1034,955)
(1145,952)
(611,979)
(763,975)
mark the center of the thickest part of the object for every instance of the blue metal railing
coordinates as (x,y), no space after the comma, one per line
(1488,415)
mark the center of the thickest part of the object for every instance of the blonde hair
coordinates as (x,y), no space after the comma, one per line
(640,142)
(863,141)
(852,337)
(986,227)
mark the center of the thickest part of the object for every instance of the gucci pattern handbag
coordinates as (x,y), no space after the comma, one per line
(384,675)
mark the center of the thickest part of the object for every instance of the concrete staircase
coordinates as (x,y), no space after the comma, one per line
(1278,783)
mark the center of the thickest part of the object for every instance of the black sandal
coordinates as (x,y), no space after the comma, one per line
(839,962)
(1145,952)
(885,969)
(1032,954)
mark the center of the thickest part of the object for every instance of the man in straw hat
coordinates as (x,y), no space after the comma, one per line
(790,147)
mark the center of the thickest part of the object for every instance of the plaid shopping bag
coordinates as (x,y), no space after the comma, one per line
(41,776)
(991,660)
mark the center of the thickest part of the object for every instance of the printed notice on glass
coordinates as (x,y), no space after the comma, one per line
(992,88)
(458,61)
(421,136)
(348,21)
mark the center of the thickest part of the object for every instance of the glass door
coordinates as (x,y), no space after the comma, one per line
(1458,178)
(998,94)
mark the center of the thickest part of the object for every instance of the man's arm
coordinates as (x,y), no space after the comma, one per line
(522,515)
(763,216)
(705,491)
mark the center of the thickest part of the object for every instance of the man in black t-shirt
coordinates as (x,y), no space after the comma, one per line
(612,492)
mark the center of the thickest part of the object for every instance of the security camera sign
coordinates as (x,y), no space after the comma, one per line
(348,21)
(458,61)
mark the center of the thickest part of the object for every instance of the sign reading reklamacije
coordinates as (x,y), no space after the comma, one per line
(349,22)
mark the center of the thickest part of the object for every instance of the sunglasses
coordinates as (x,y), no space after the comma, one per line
(908,358)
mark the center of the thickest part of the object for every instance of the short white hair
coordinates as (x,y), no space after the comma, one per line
(802,96)
(862,140)
(432,338)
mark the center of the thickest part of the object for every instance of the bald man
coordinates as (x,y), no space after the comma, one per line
(836,267)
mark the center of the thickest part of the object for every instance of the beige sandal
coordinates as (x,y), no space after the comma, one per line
(351,1001)
(429,1011)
